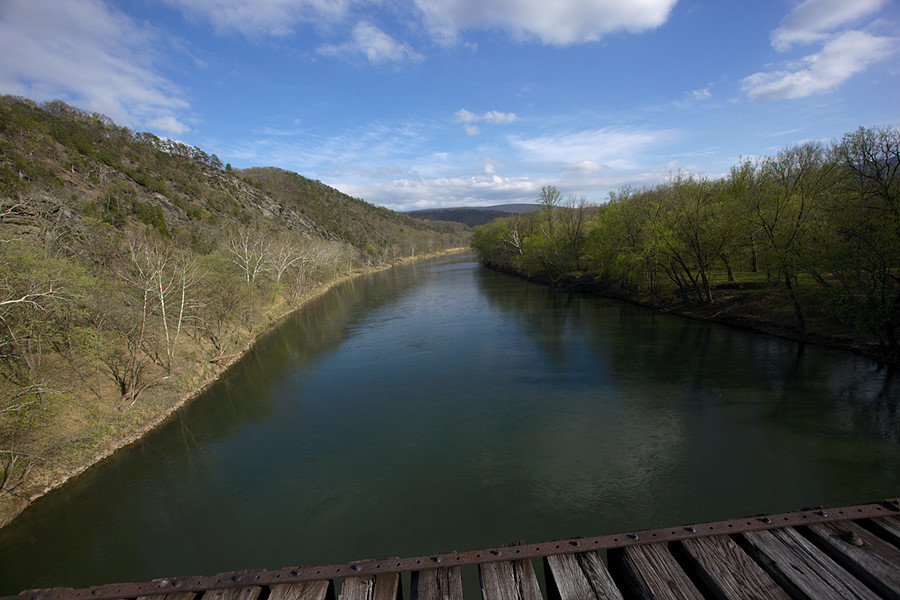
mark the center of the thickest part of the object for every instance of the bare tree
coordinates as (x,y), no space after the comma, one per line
(250,251)
(173,281)
(285,253)
(128,368)
(162,278)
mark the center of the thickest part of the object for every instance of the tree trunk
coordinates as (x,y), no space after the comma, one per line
(795,301)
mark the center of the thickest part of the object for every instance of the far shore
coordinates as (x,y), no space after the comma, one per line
(736,311)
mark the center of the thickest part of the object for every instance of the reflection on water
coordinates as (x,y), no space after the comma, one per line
(443,406)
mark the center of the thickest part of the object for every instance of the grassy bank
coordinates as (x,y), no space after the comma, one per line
(85,423)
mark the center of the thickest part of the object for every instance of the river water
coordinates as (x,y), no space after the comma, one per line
(442,406)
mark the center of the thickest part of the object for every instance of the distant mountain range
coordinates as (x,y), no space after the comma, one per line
(471,215)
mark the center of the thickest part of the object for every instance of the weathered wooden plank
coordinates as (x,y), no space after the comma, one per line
(243,593)
(372,587)
(308,590)
(509,580)
(581,576)
(650,571)
(801,568)
(436,584)
(726,570)
(177,596)
(888,528)
(872,560)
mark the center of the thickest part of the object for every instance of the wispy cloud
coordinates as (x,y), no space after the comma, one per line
(845,51)
(377,46)
(841,58)
(492,117)
(781,133)
(169,124)
(588,163)
(394,164)
(86,53)
(413,191)
(602,148)
(560,22)
(262,17)
(812,20)
(704,94)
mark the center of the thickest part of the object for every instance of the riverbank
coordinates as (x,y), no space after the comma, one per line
(750,307)
(92,443)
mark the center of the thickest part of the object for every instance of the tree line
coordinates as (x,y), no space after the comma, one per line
(816,224)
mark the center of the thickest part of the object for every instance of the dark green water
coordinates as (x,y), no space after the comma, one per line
(444,407)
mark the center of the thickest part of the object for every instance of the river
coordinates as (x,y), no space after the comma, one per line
(442,406)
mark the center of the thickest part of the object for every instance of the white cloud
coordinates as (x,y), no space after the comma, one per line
(840,59)
(465,116)
(489,187)
(845,51)
(498,118)
(377,46)
(262,17)
(600,148)
(811,20)
(589,164)
(413,191)
(87,54)
(559,22)
(396,164)
(169,124)
(703,94)
(492,117)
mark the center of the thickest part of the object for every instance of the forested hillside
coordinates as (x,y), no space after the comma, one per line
(807,241)
(134,268)
(468,216)
(379,233)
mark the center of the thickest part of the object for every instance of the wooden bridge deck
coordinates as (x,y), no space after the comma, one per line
(851,552)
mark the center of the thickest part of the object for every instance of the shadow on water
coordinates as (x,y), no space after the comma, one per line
(748,403)
(442,406)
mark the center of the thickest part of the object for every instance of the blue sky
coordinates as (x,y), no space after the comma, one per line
(428,103)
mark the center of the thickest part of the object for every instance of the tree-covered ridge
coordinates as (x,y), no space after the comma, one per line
(133,268)
(118,174)
(467,216)
(378,232)
(817,226)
